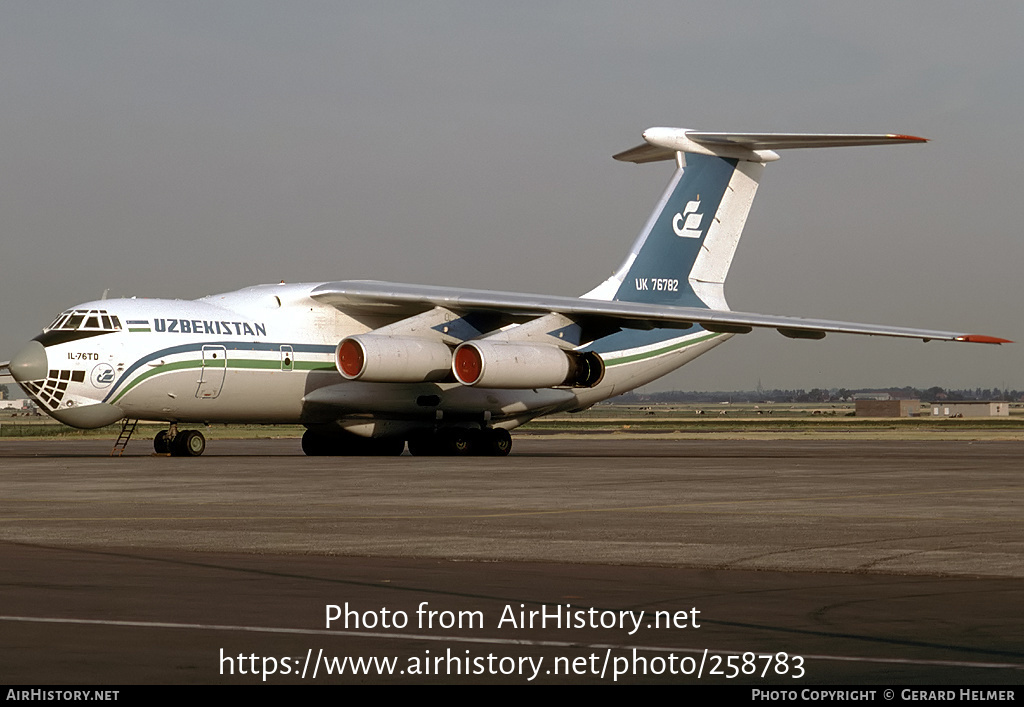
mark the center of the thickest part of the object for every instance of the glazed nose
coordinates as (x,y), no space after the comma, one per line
(30,364)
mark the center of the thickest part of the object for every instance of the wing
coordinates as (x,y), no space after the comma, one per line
(402,300)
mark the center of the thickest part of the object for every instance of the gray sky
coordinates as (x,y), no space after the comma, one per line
(181,149)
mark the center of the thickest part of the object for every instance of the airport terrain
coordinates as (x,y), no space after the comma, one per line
(876,561)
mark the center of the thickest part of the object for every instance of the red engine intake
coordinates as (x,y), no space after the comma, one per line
(389,359)
(498,364)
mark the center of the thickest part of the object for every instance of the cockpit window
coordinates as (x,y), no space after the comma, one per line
(97,320)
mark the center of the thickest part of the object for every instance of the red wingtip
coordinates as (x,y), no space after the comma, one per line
(982,339)
(908,138)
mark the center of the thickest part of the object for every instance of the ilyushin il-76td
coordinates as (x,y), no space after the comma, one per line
(369,367)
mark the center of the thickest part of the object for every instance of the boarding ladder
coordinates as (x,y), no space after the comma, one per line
(127,429)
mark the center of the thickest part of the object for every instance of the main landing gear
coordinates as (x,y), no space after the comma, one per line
(345,444)
(452,441)
(186,443)
(461,442)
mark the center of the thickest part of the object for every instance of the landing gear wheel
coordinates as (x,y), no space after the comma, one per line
(162,442)
(189,443)
(497,442)
(315,445)
(461,442)
(457,442)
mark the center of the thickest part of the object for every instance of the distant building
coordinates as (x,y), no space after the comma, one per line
(17,404)
(872,396)
(887,408)
(970,408)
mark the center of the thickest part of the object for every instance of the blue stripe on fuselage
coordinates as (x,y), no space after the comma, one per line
(198,346)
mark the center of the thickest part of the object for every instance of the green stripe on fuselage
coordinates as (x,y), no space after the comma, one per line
(238,363)
(657,352)
(275,365)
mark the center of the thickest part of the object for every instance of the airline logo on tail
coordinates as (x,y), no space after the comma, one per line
(687,224)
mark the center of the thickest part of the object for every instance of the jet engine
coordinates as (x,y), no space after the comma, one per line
(496,364)
(390,359)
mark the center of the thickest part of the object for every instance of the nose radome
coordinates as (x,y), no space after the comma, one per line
(30,363)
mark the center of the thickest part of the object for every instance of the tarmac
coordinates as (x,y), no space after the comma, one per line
(788,563)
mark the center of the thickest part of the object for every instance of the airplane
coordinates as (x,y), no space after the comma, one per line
(368,367)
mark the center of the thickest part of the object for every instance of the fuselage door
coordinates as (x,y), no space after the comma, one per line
(287,358)
(211,376)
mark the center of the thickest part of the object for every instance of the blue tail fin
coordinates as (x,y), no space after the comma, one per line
(685,249)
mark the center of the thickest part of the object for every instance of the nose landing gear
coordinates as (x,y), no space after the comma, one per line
(186,443)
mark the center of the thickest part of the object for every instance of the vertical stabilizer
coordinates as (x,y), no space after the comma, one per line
(684,251)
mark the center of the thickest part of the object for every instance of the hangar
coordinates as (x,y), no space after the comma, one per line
(971,408)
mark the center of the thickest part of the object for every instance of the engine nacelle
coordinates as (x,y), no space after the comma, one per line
(390,359)
(498,364)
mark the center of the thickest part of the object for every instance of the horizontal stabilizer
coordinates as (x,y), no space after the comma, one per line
(664,143)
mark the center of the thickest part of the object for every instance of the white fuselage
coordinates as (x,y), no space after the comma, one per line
(266,354)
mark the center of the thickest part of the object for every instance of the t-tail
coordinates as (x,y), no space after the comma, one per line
(683,253)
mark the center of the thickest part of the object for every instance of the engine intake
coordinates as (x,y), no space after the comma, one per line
(389,359)
(496,364)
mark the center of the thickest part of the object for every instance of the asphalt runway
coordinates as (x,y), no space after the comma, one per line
(654,560)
